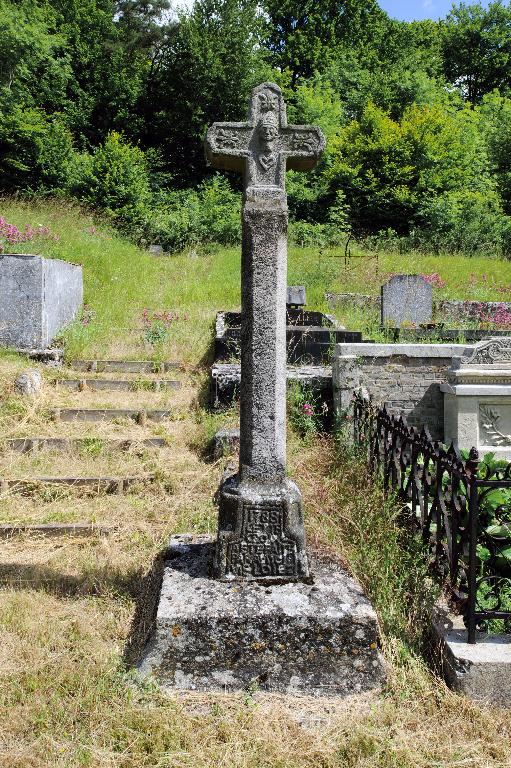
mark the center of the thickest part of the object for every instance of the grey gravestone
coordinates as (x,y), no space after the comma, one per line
(296,296)
(260,530)
(156,250)
(38,297)
(406,300)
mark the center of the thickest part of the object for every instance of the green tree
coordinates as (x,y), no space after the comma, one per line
(107,78)
(496,126)
(209,61)
(477,48)
(34,64)
(304,36)
(387,168)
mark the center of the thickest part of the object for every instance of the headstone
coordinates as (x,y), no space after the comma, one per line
(477,398)
(260,531)
(296,296)
(156,250)
(406,300)
(38,297)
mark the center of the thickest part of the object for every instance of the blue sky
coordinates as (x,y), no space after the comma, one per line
(419,9)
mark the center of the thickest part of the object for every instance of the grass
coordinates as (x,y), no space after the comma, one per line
(122,280)
(68,607)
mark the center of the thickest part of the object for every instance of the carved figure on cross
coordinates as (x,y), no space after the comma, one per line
(265,146)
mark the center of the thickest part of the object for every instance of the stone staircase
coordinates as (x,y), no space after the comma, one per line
(109,449)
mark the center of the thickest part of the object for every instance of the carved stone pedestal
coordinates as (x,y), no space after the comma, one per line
(319,639)
(260,532)
(477,399)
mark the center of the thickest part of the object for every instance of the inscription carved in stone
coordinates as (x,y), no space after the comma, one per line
(263,549)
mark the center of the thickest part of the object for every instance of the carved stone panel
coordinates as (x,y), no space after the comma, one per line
(263,550)
(495,424)
(496,351)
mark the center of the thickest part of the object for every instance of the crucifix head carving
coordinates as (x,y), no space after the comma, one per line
(265,146)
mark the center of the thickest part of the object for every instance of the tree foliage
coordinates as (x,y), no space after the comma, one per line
(109,100)
(477,48)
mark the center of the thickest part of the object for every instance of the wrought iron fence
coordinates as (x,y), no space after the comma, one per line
(461,507)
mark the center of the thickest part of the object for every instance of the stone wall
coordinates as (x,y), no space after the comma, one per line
(407,377)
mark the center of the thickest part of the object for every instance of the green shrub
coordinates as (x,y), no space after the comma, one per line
(180,219)
(115,179)
(467,221)
(36,152)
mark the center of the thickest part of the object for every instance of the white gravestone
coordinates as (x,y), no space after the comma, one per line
(477,399)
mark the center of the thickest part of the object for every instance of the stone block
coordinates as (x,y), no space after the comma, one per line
(406,300)
(319,639)
(225,442)
(296,296)
(481,671)
(38,297)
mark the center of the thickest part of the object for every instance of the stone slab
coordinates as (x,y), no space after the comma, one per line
(108,414)
(318,639)
(407,350)
(124,366)
(117,385)
(406,300)
(26,486)
(38,297)
(54,530)
(481,671)
(34,444)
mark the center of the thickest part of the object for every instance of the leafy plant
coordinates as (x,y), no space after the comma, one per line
(306,411)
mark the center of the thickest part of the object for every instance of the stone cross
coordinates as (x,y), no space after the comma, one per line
(261,534)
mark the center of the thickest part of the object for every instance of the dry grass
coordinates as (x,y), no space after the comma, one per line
(70,608)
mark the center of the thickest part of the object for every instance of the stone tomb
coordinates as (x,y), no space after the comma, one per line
(477,398)
(406,300)
(250,609)
(38,297)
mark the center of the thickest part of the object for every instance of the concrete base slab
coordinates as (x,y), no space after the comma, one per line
(117,385)
(319,639)
(27,486)
(109,414)
(481,671)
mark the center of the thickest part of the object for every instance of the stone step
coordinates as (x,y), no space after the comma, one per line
(125,366)
(117,385)
(26,486)
(34,444)
(54,530)
(108,414)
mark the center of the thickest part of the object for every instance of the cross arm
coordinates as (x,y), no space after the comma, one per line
(227,145)
(303,145)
